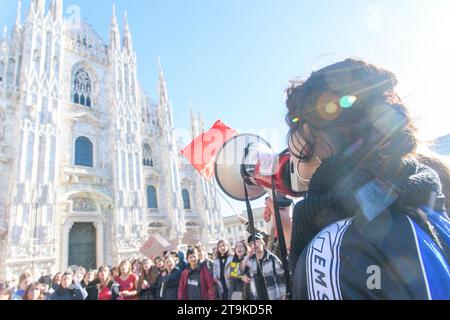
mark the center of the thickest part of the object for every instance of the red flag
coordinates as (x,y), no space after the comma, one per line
(202,151)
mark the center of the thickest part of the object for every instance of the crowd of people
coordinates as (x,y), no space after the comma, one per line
(225,274)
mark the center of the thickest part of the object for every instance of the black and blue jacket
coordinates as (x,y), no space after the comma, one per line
(390,257)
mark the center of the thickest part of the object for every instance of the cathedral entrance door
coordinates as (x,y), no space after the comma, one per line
(83,245)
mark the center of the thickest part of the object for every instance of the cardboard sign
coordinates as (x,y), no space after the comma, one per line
(154,246)
(191,238)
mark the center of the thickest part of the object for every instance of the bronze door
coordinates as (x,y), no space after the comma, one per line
(83,245)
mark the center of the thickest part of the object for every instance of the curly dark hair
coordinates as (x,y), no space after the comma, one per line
(372,123)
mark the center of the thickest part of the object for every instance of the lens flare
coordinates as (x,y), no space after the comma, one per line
(347,101)
(331,108)
(295,120)
(327,106)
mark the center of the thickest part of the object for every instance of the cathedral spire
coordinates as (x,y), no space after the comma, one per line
(114,31)
(5,33)
(127,42)
(194,129)
(163,96)
(38,6)
(18,15)
(201,123)
(56,8)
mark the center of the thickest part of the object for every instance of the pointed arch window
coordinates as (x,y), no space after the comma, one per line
(84,152)
(147,156)
(152,202)
(82,88)
(186,200)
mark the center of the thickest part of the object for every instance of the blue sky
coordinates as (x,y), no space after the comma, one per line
(233,58)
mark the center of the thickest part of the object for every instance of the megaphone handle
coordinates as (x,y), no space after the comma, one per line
(281,239)
(261,286)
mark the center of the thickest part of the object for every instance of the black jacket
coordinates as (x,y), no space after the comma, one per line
(389,258)
(169,285)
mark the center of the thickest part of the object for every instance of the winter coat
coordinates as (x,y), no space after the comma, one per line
(169,285)
(207,285)
(227,273)
(71,293)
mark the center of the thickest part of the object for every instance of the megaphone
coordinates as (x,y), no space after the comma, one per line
(249,159)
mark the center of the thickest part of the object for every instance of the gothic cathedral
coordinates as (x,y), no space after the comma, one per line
(89,164)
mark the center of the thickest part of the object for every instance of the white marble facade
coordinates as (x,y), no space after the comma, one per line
(60,83)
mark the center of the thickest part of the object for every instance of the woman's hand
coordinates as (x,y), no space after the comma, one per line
(145,285)
(127,293)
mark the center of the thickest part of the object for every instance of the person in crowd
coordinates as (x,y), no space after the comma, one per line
(204,258)
(144,283)
(115,272)
(170,279)
(79,274)
(88,278)
(273,277)
(103,287)
(24,282)
(221,270)
(285,206)
(272,240)
(440,164)
(156,273)
(214,253)
(246,223)
(179,258)
(196,282)
(369,204)
(127,281)
(12,285)
(68,290)
(34,292)
(4,292)
(56,281)
(238,288)
(136,267)
(45,282)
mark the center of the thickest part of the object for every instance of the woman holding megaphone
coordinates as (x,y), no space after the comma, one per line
(373,222)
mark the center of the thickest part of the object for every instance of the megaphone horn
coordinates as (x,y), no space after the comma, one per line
(249,159)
